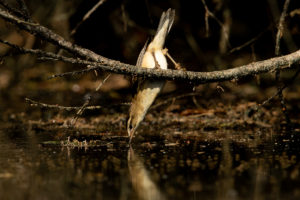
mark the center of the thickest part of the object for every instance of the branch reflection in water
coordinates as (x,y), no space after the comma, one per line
(144,187)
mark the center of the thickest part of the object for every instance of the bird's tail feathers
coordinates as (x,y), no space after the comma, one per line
(165,24)
(168,15)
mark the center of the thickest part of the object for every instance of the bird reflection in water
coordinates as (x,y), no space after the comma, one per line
(144,187)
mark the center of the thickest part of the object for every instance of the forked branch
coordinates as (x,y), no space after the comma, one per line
(98,62)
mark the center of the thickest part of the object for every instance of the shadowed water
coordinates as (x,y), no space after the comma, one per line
(188,169)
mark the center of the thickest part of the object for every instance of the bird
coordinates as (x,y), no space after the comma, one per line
(153,55)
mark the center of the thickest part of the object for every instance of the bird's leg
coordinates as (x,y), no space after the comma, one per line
(177,65)
(157,66)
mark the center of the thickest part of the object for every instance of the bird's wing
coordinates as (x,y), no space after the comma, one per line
(141,55)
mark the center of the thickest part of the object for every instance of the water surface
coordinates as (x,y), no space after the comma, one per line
(31,167)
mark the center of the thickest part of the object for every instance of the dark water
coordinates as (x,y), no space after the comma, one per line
(190,169)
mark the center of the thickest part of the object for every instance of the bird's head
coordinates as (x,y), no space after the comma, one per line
(132,124)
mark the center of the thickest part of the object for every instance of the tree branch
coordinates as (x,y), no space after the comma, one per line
(52,37)
(98,62)
(87,15)
(197,77)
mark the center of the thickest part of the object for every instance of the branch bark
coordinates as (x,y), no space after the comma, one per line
(99,62)
(251,69)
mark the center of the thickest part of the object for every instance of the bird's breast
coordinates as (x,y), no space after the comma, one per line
(161,59)
(154,59)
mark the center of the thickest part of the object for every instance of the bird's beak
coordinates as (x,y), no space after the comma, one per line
(131,135)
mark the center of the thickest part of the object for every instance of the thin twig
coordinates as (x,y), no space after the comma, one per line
(70,108)
(24,10)
(102,83)
(277,52)
(124,18)
(81,110)
(37,52)
(86,103)
(87,15)
(66,108)
(12,10)
(206,22)
(280,90)
(249,41)
(208,13)
(281,27)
